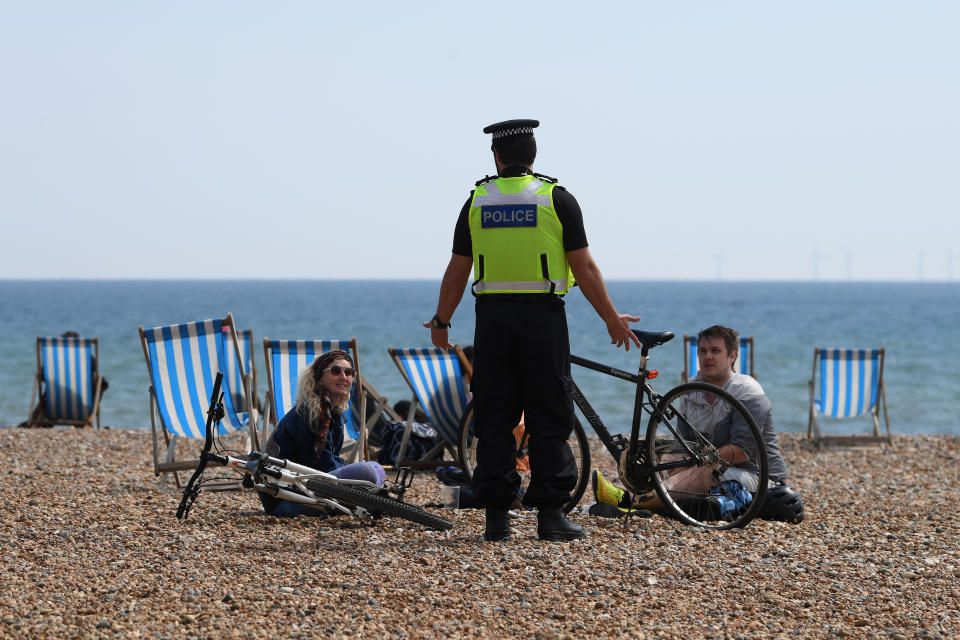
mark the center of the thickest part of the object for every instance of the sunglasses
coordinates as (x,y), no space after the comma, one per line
(336,370)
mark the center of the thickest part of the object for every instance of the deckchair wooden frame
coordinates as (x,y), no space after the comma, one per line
(813,425)
(247,336)
(690,363)
(466,368)
(170,465)
(38,393)
(366,392)
(381,404)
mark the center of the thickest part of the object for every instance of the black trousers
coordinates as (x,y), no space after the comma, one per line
(521,359)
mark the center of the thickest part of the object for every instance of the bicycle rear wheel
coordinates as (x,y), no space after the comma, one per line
(693,479)
(378,504)
(577,441)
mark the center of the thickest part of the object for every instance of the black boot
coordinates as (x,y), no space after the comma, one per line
(553,525)
(498,525)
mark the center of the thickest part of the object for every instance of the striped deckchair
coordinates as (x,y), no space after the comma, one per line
(182,361)
(436,378)
(67,385)
(286,359)
(851,384)
(234,372)
(743,363)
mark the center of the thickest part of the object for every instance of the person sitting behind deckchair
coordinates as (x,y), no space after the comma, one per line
(717,349)
(311,433)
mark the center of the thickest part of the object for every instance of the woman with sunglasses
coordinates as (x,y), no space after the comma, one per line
(311,433)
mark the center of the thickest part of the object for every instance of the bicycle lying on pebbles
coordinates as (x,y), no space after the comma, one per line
(290,481)
(675,448)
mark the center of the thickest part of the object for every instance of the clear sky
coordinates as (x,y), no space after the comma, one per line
(739,140)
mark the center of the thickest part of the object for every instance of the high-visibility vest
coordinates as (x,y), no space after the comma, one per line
(517,238)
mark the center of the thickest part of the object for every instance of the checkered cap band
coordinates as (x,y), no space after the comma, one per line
(504,133)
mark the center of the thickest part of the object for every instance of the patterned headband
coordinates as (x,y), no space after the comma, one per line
(328,358)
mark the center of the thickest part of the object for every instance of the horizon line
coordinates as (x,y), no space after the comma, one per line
(424,279)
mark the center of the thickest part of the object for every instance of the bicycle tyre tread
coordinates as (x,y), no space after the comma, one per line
(378,504)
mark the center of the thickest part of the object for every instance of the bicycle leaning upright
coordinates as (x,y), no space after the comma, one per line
(702,456)
(297,483)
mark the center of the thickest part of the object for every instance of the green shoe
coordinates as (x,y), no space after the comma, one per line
(604,510)
(605,493)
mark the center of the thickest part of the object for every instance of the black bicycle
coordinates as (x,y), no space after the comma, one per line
(675,464)
(290,481)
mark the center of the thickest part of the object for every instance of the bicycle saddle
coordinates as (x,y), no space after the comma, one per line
(650,339)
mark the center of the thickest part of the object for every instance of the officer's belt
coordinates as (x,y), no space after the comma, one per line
(521,297)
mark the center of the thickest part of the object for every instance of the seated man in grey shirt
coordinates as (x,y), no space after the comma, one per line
(717,349)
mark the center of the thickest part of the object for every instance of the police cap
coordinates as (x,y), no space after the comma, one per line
(510,128)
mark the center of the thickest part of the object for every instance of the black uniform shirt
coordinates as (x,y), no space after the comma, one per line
(566,206)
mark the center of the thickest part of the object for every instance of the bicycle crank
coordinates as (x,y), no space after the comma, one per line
(633,475)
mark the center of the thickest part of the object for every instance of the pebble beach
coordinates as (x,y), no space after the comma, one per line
(92,549)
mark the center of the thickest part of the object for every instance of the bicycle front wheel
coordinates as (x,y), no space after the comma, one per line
(708,460)
(578,446)
(378,504)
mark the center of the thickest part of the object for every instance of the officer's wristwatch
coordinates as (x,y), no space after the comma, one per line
(437,323)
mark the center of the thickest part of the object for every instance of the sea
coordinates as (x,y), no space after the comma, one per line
(915,322)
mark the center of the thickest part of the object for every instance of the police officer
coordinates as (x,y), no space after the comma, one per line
(523,237)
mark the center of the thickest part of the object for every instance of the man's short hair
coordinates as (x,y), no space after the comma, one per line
(731,339)
(516,150)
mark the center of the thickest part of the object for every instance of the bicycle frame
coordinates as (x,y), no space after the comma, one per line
(616,445)
(646,400)
(290,474)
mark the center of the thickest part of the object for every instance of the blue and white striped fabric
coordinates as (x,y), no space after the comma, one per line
(740,365)
(288,358)
(68,377)
(849,380)
(184,360)
(437,380)
(232,374)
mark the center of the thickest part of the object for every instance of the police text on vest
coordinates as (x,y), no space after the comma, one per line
(508,215)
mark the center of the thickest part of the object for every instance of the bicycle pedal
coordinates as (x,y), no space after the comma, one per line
(620,443)
(404,478)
